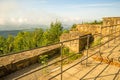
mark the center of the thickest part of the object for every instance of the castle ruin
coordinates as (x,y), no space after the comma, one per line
(107,21)
(86,29)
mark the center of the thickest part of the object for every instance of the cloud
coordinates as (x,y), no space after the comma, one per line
(13,12)
(43,12)
(93,5)
(7,8)
(2,21)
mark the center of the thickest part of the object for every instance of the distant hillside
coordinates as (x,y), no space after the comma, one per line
(6,30)
(21,27)
(11,32)
(9,29)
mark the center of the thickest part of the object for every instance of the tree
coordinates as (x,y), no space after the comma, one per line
(22,41)
(2,44)
(96,22)
(28,40)
(46,38)
(65,31)
(18,42)
(27,43)
(73,26)
(52,35)
(9,44)
(56,30)
(37,37)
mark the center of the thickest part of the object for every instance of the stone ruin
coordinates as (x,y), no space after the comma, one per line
(79,43)
(107,21)
(88,29)
(96,28)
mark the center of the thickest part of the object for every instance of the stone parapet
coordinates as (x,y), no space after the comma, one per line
(14,62)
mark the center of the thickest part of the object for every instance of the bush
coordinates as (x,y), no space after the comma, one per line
(43,59)
(96,42)
(66,53)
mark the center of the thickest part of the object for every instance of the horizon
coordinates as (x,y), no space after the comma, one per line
(68,12)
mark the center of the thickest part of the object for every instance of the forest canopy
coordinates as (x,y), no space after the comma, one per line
(26,40)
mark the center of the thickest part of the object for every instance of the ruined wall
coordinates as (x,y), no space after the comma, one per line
(11,63)
(89,28)
(78,44)
(111,21)
(73,45)
(83,29)
(113,24)
(94,29)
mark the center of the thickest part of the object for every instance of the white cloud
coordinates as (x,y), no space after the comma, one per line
(2,21)
(8,7)
(93,5)
(13,12)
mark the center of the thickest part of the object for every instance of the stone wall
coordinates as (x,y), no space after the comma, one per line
(84,29)
(89,28)
(79,43)
(108,24)
(95,29)
(11,63)
(111,21)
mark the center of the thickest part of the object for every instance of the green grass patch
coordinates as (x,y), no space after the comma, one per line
(96,42)
(66,52)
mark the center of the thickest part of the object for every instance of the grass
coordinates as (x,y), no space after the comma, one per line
(96,42)
(66,52)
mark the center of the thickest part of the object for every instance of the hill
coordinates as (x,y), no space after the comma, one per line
(5,33)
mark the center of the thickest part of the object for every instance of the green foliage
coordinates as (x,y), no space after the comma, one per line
(52,35)
(37,37)
(43,59)
(65,31)
(73,26)
(55,31)
(66,53)
(2,44)
(94,22)
(22,41)
(26,40)
(96,42)
(9,44)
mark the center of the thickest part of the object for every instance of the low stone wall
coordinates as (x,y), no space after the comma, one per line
(11,63)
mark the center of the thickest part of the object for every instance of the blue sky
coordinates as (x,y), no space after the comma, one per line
(46,11)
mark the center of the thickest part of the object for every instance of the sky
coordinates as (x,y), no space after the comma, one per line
(46,11)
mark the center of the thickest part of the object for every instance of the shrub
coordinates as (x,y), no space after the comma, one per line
(66,52)
(96,42)
(43,59)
